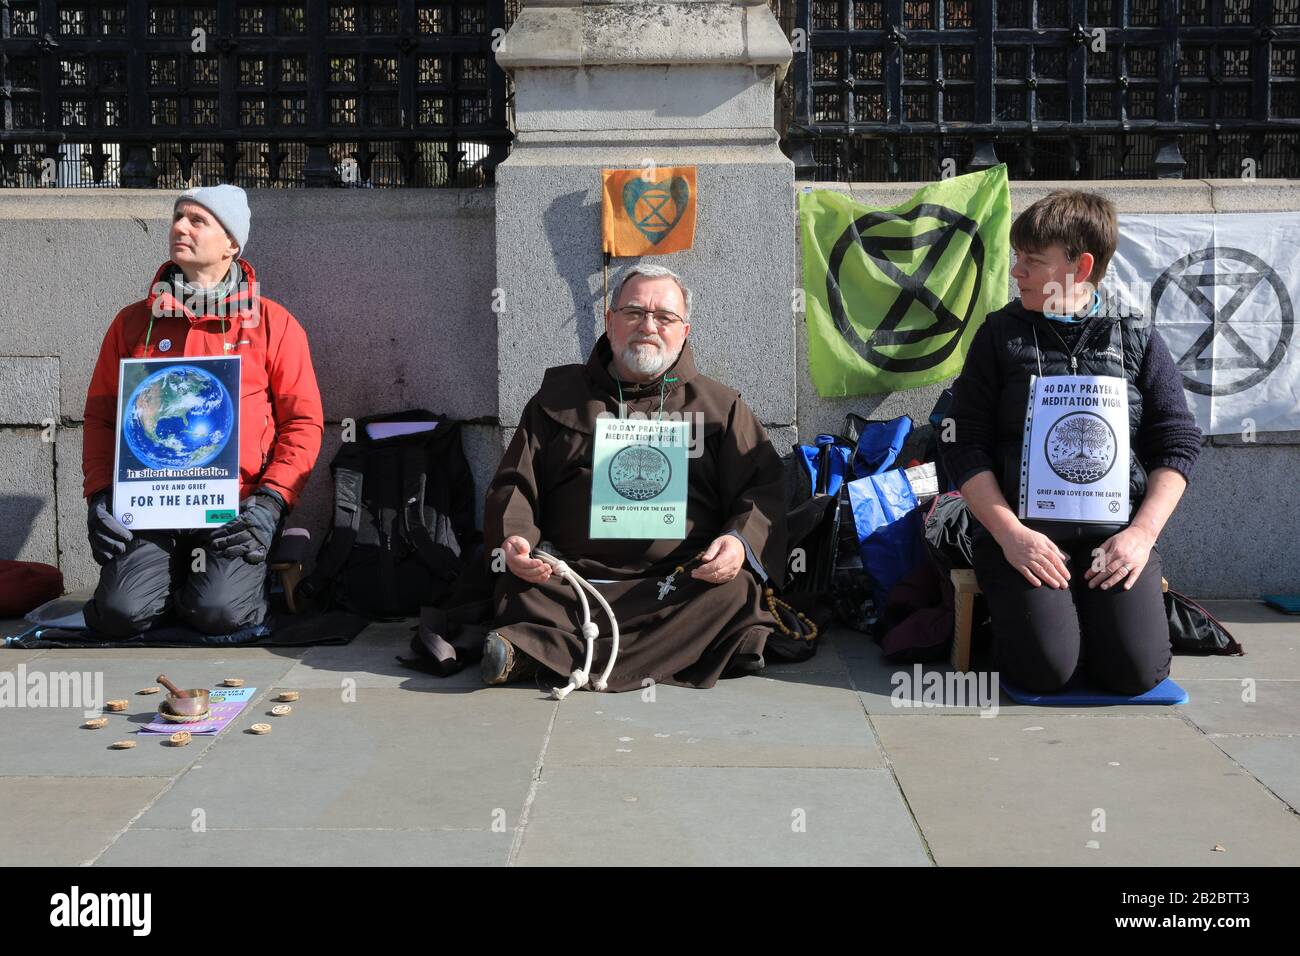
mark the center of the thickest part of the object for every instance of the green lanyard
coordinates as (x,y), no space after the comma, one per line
(148,334)
(661,396)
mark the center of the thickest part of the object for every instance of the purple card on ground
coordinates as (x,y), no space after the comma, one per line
(225,704)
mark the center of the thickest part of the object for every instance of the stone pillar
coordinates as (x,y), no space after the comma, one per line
(619,85)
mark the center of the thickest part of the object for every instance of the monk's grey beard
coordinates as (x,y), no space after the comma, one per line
(647,361)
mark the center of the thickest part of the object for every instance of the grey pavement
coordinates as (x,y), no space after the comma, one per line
(809,764)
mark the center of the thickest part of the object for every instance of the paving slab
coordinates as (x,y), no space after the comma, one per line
(1217,707)
(11,657)
(753,721)
(391,759)
(46,820)
(1271,640)
(311,847)
(1274,761)
(1024,790)
(38,741)
(718,816)
(827,660)
(371,661)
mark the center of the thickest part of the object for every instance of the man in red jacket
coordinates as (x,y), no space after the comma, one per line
(203,301)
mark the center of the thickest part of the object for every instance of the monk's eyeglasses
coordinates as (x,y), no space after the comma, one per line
(662,319)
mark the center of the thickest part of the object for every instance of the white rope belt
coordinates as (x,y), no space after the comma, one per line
(579,678)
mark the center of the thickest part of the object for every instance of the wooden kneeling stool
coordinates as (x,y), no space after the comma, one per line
(964,583)
(287,558)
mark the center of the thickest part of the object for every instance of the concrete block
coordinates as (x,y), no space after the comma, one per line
(670,97)
(27,496)
(1274,761)
(1021,790)
(1254,195)
(1217,707)
(1239,489)
(370,659)
(1271,640)
(740,269)
(340,764)
(80,572)
(35,831)
(68,750)
(29,390)
(753,722)
(1138,196)
(240,847)
(653,816)
(392,330)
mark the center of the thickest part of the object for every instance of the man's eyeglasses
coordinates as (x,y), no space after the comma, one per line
(663,319)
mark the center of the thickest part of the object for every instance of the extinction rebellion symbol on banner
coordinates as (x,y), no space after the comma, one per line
(1176,286)
(946,331)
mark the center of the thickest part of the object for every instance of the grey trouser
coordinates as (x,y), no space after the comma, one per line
(154,583)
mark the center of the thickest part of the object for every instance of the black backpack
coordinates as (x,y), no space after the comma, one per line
(403,526)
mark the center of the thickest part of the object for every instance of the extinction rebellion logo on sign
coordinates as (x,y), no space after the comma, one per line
(1214,284)
(892,296)
(941,328)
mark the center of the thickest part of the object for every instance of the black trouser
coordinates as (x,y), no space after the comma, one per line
(154,583)
(1043,637)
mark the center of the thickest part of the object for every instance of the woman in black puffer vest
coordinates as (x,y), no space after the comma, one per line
(1070,601)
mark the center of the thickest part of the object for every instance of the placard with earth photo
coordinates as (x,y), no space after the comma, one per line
(177,460)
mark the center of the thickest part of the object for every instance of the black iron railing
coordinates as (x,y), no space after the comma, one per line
(1057,89)
(306,93)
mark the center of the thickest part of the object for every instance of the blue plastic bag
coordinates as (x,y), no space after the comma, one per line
(879,444)
(889,527)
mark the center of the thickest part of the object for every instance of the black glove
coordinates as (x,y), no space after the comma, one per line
(108,536)
(249,536)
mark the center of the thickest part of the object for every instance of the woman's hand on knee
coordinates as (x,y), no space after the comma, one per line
(1120,557)
(1035,556)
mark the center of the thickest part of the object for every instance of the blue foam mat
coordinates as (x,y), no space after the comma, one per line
(1166,692)
(1286,603)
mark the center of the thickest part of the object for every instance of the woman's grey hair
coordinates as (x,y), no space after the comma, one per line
(654,272)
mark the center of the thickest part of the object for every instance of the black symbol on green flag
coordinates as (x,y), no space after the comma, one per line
(947,327)
(893,296)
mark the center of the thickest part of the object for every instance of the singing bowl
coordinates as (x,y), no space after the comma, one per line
(189,703)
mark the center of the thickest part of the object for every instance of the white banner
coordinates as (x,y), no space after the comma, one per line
(1222,291)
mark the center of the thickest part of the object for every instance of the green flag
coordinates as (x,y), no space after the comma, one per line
(893,296)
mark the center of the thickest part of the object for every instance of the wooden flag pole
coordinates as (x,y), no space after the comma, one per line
(605,270)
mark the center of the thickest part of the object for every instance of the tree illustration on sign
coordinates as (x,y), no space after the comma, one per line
(638,472)
(1081,448)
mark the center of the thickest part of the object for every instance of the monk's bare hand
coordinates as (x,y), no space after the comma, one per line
(532,570)
(722,560)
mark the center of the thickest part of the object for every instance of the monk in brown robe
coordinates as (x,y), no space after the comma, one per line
(710,619)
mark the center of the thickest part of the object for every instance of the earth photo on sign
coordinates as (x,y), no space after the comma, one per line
(902,287)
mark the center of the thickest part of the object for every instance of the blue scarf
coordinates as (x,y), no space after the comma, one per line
(1072,319)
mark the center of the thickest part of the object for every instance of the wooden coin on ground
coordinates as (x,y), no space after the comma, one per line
(233,682)
(260,728)
(115,705)
(95,723)
(180,739)
(280,710)
(146,691)
(288,696)
(123,745)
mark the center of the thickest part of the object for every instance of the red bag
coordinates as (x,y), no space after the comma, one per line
(25,585)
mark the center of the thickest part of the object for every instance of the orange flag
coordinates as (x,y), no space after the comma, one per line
(648,212)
